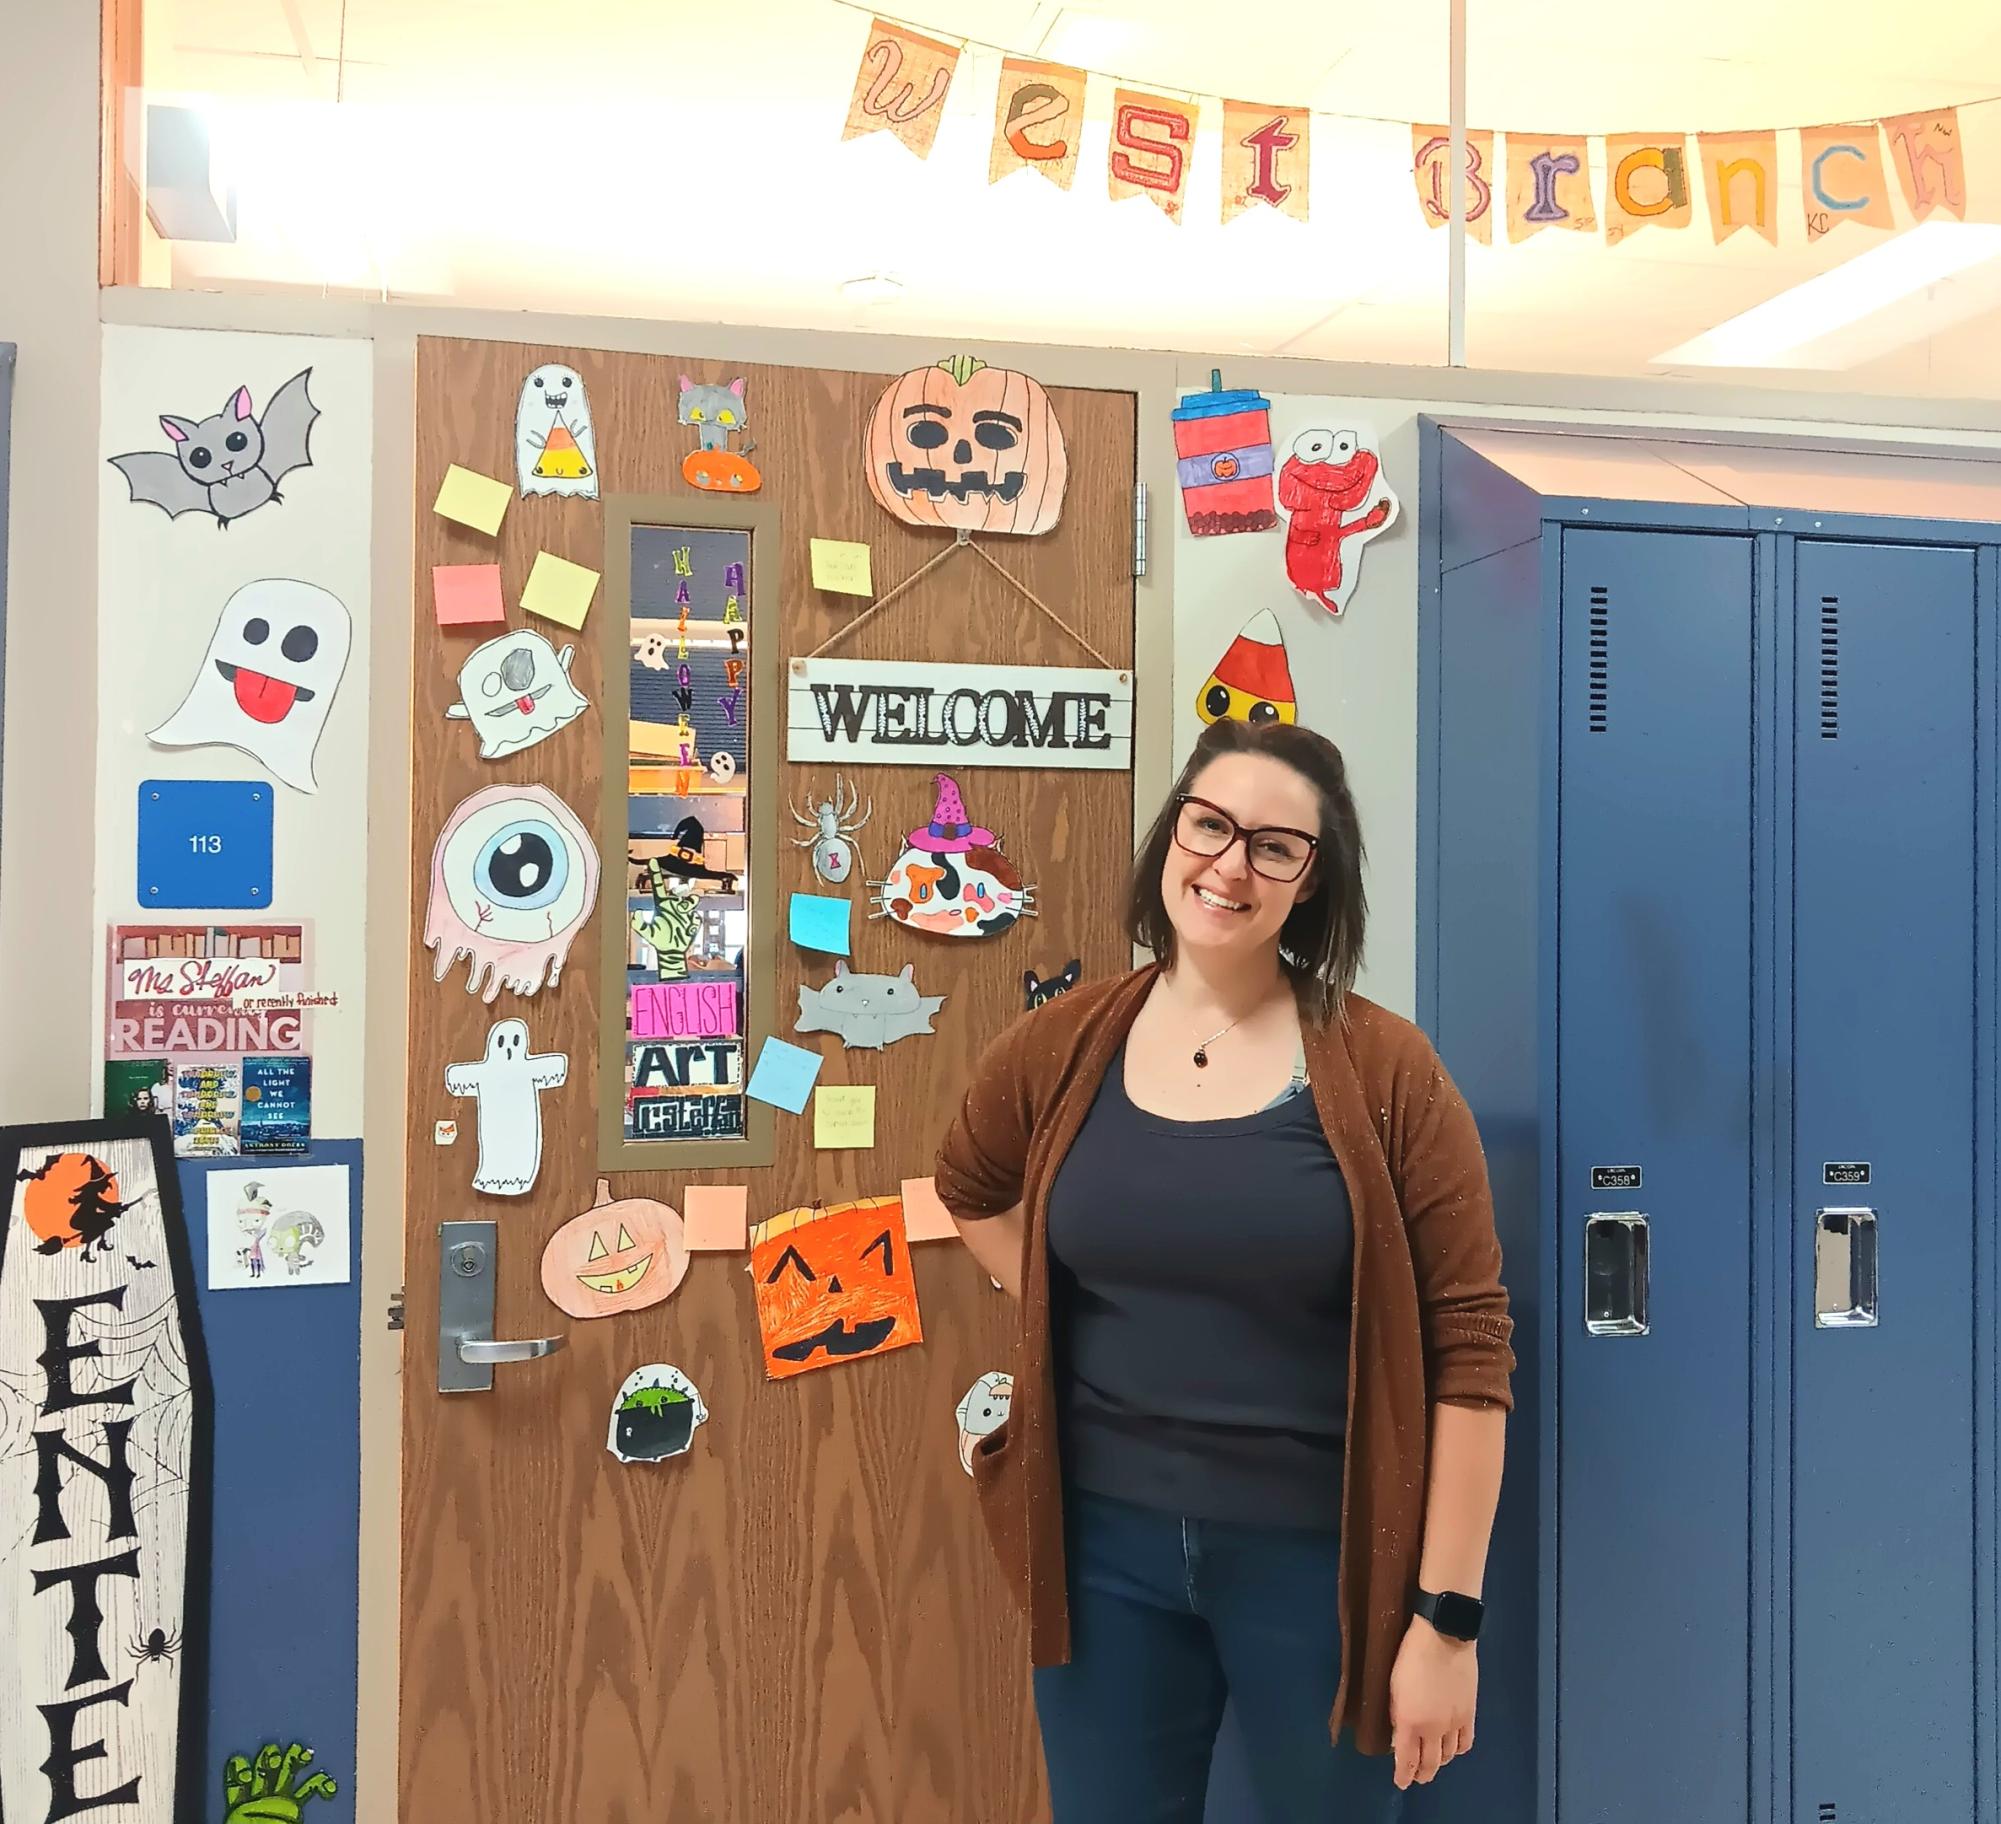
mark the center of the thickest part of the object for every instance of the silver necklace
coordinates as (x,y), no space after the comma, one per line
(1201,1058)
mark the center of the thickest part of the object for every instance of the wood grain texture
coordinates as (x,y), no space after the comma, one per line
(799,1620)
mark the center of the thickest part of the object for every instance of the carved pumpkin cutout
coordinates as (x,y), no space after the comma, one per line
(833,1285)
(617,1256)
(969,447)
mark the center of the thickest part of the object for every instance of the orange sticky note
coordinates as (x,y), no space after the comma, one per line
(473,499)
(465,594)
(716,1220)
(559,590)
(924,1217)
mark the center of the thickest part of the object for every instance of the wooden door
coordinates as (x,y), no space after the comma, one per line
(797,1619)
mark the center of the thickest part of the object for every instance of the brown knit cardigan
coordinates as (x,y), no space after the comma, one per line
(1430,1316)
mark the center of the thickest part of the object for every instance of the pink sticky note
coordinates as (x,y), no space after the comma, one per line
(715,1217)
(467,594)
(924,1217)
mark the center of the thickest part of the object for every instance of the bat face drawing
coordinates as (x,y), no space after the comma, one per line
(229,464)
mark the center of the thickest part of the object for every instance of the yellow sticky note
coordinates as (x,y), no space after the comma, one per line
(925,1218)
(844,1115)
(559,590)
(473,499)
(843,568)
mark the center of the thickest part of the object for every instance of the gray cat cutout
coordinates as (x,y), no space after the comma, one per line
(230,464)
(868,1011)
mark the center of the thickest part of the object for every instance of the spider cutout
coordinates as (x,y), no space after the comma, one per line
(158,1648)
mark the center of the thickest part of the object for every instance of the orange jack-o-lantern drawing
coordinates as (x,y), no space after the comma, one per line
(833,1284)
(967,446)
(620,1255)
(721,472)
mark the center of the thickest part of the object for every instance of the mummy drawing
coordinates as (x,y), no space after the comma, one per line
(507,1085)
(555,448)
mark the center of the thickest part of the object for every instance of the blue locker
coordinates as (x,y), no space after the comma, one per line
(1654,1195)
(1707,867)
(1884,1076)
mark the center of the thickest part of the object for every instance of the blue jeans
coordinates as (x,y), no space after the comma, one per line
(1169,1618)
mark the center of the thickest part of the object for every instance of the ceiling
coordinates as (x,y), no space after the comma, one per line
(662,159)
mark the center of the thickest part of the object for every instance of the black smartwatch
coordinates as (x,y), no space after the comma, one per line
(1455,1616)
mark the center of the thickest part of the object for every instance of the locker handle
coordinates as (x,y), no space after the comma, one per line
(1844,1269)
(1615,1274)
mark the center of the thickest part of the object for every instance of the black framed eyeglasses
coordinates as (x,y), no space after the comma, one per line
(1208,830)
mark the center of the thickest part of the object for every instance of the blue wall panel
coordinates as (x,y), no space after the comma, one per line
(287,1372)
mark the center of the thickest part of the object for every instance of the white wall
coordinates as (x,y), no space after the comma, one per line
(162,584)
(1357,677)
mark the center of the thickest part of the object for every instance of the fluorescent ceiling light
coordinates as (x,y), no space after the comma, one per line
(1864,307)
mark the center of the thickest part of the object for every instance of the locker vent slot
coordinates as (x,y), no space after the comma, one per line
(1827,1813)
(1601,659)
(1830,667)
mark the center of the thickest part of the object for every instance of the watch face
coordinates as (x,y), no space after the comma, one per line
(1459,1616)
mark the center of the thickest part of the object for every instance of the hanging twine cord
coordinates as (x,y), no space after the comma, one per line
(962,542)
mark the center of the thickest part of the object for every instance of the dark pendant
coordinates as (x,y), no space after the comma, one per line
(1201,1059)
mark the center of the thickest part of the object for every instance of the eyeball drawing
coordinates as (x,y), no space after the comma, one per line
(514,876)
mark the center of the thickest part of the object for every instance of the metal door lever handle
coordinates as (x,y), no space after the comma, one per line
(523,1349)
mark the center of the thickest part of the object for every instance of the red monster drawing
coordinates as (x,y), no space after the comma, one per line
(1328,476)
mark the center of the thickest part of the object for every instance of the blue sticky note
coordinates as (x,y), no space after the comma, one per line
(204,842)
(784,1076)
(820,923)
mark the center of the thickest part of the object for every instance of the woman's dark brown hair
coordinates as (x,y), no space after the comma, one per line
(1320,944)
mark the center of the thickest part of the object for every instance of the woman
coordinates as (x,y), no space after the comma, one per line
(1256,1436)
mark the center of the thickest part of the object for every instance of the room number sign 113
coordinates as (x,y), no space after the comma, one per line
(204,844)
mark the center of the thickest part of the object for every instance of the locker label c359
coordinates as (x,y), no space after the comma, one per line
(1849,1171)
(1615,1177)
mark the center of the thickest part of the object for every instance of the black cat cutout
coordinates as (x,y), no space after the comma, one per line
(1040,993)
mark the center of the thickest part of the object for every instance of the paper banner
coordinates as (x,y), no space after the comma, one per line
(1740,174)
(1266,159)
(1153,139)
(228,464)
(514,877)
(1549,185)
(833,1284)
(868,1011)
(267,679)
(655,1415)
(1842,179)
(506,1085)
(279,1226)
(1431,166)
(516,691)
(964,445)
(1646,183)
(983,1411)
(717,1223)
(1038,121)
(1930,161)
(951,880)
(555,446)
(621,1254)
(901,86)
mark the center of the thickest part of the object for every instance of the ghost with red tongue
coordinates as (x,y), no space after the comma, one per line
(268,678)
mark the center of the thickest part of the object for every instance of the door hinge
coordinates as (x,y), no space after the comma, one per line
(1139,528)
(396,1310)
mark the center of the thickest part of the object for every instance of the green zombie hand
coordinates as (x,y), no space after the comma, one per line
(264,1793)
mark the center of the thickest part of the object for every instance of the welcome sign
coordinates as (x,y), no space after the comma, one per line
(105,1415)
(895,713)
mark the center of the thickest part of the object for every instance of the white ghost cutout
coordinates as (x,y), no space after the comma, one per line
(555,448)
(507,1084)
(268,678)
(516,691)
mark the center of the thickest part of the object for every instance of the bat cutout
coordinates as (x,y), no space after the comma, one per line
(230,464)
(137,1262)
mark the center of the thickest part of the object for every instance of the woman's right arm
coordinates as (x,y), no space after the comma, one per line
(995,1242)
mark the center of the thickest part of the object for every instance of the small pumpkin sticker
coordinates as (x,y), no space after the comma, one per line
(621,1254)
(968,447)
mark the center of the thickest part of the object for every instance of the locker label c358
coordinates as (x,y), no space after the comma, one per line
(1848,1171)
(1615,1177)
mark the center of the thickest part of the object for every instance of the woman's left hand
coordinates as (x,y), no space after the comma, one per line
(1434,1687)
